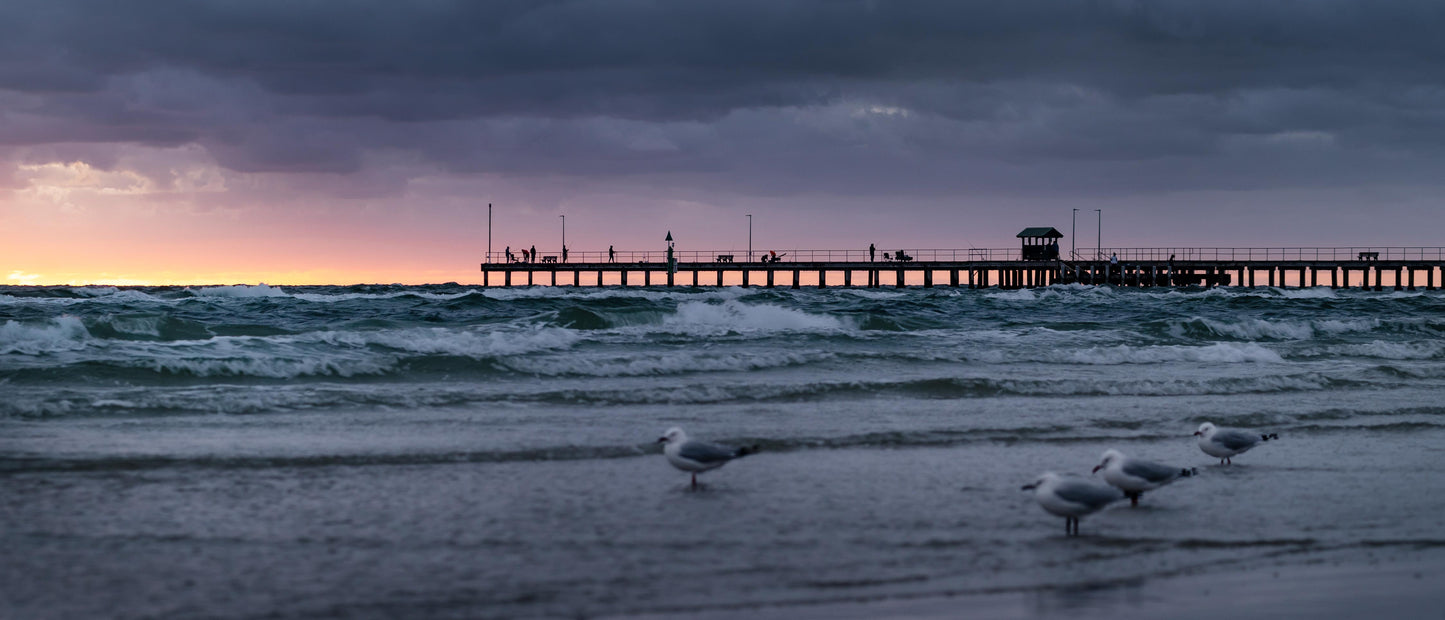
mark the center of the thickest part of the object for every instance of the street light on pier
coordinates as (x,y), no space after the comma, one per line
(750,237)
(1074,245)
(1099,235)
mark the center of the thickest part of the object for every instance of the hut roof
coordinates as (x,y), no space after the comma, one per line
(1041,231)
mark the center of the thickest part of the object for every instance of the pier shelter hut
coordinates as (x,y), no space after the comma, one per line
(1040,243)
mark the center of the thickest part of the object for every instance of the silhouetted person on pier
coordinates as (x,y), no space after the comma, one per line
(525,257)
(510,258)
(871,253)
(1114,259)
(611,255)
(564,253)
(534,253)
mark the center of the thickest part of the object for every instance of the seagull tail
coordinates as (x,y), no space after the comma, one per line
(1269,436)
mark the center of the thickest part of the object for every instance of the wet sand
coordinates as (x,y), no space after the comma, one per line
(1393,583)
(1326,523)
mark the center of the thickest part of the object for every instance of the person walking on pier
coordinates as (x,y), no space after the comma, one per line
(534,253)
(564,253)
(871,252)
(510,258)
(611,255)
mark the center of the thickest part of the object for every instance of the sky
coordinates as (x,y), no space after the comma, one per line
(330,142)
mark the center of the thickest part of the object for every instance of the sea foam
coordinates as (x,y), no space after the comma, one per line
(239,290)
(64,333)
(700,318)
(1221,352)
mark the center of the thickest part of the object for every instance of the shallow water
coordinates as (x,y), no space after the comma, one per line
(443,451)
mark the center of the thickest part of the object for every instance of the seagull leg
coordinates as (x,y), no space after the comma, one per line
(694,482)
(1133,498)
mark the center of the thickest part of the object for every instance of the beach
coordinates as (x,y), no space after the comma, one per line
(452,453)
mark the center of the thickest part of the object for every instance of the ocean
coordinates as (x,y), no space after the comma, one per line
(453,451)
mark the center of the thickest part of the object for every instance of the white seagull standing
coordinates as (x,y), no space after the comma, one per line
(1135,476)
(1071,498)
(1225,443)
(698,456)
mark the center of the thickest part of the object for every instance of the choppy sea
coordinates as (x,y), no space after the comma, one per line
(450,451)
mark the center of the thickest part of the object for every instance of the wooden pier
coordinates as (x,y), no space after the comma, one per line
(1374,269)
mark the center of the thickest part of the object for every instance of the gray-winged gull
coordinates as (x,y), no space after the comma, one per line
(1072,498)
(1135,476)
(1225,443)
(698,456)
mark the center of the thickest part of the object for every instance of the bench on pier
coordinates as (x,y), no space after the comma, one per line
(549,259)
(724,258)
(1369,256)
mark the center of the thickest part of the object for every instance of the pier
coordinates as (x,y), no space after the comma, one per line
(1373,268)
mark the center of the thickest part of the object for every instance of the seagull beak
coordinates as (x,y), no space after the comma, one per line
(1028,487)
(1197,433)
(1097,468)
(661,440)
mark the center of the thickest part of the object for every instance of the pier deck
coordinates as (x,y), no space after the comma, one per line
(994,268)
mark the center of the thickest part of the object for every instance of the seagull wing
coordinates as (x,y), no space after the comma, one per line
(707,453)
(1235,439)
(1094,496)
(1154,473)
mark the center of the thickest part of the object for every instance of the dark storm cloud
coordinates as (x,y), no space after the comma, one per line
(618,86)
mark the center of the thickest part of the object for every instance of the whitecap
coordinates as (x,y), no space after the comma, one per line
(1314,292)
(1261,329)
(1220,352)
(64,333)
(239,291)
(474,344)
(663,363)
(701,318)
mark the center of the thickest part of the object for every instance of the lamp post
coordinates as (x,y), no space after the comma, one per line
(750,237)
(1099,235)
(489,232)
(1073,245)
(564,237)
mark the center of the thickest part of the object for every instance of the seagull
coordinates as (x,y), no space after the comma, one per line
(698,456)
(1225,443)
(1135,476)
(1071,498)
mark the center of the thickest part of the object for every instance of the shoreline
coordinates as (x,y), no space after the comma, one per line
(1385,582)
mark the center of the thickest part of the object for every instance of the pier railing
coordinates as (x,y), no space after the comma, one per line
(790,255)
(1334,254)
(963,255)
